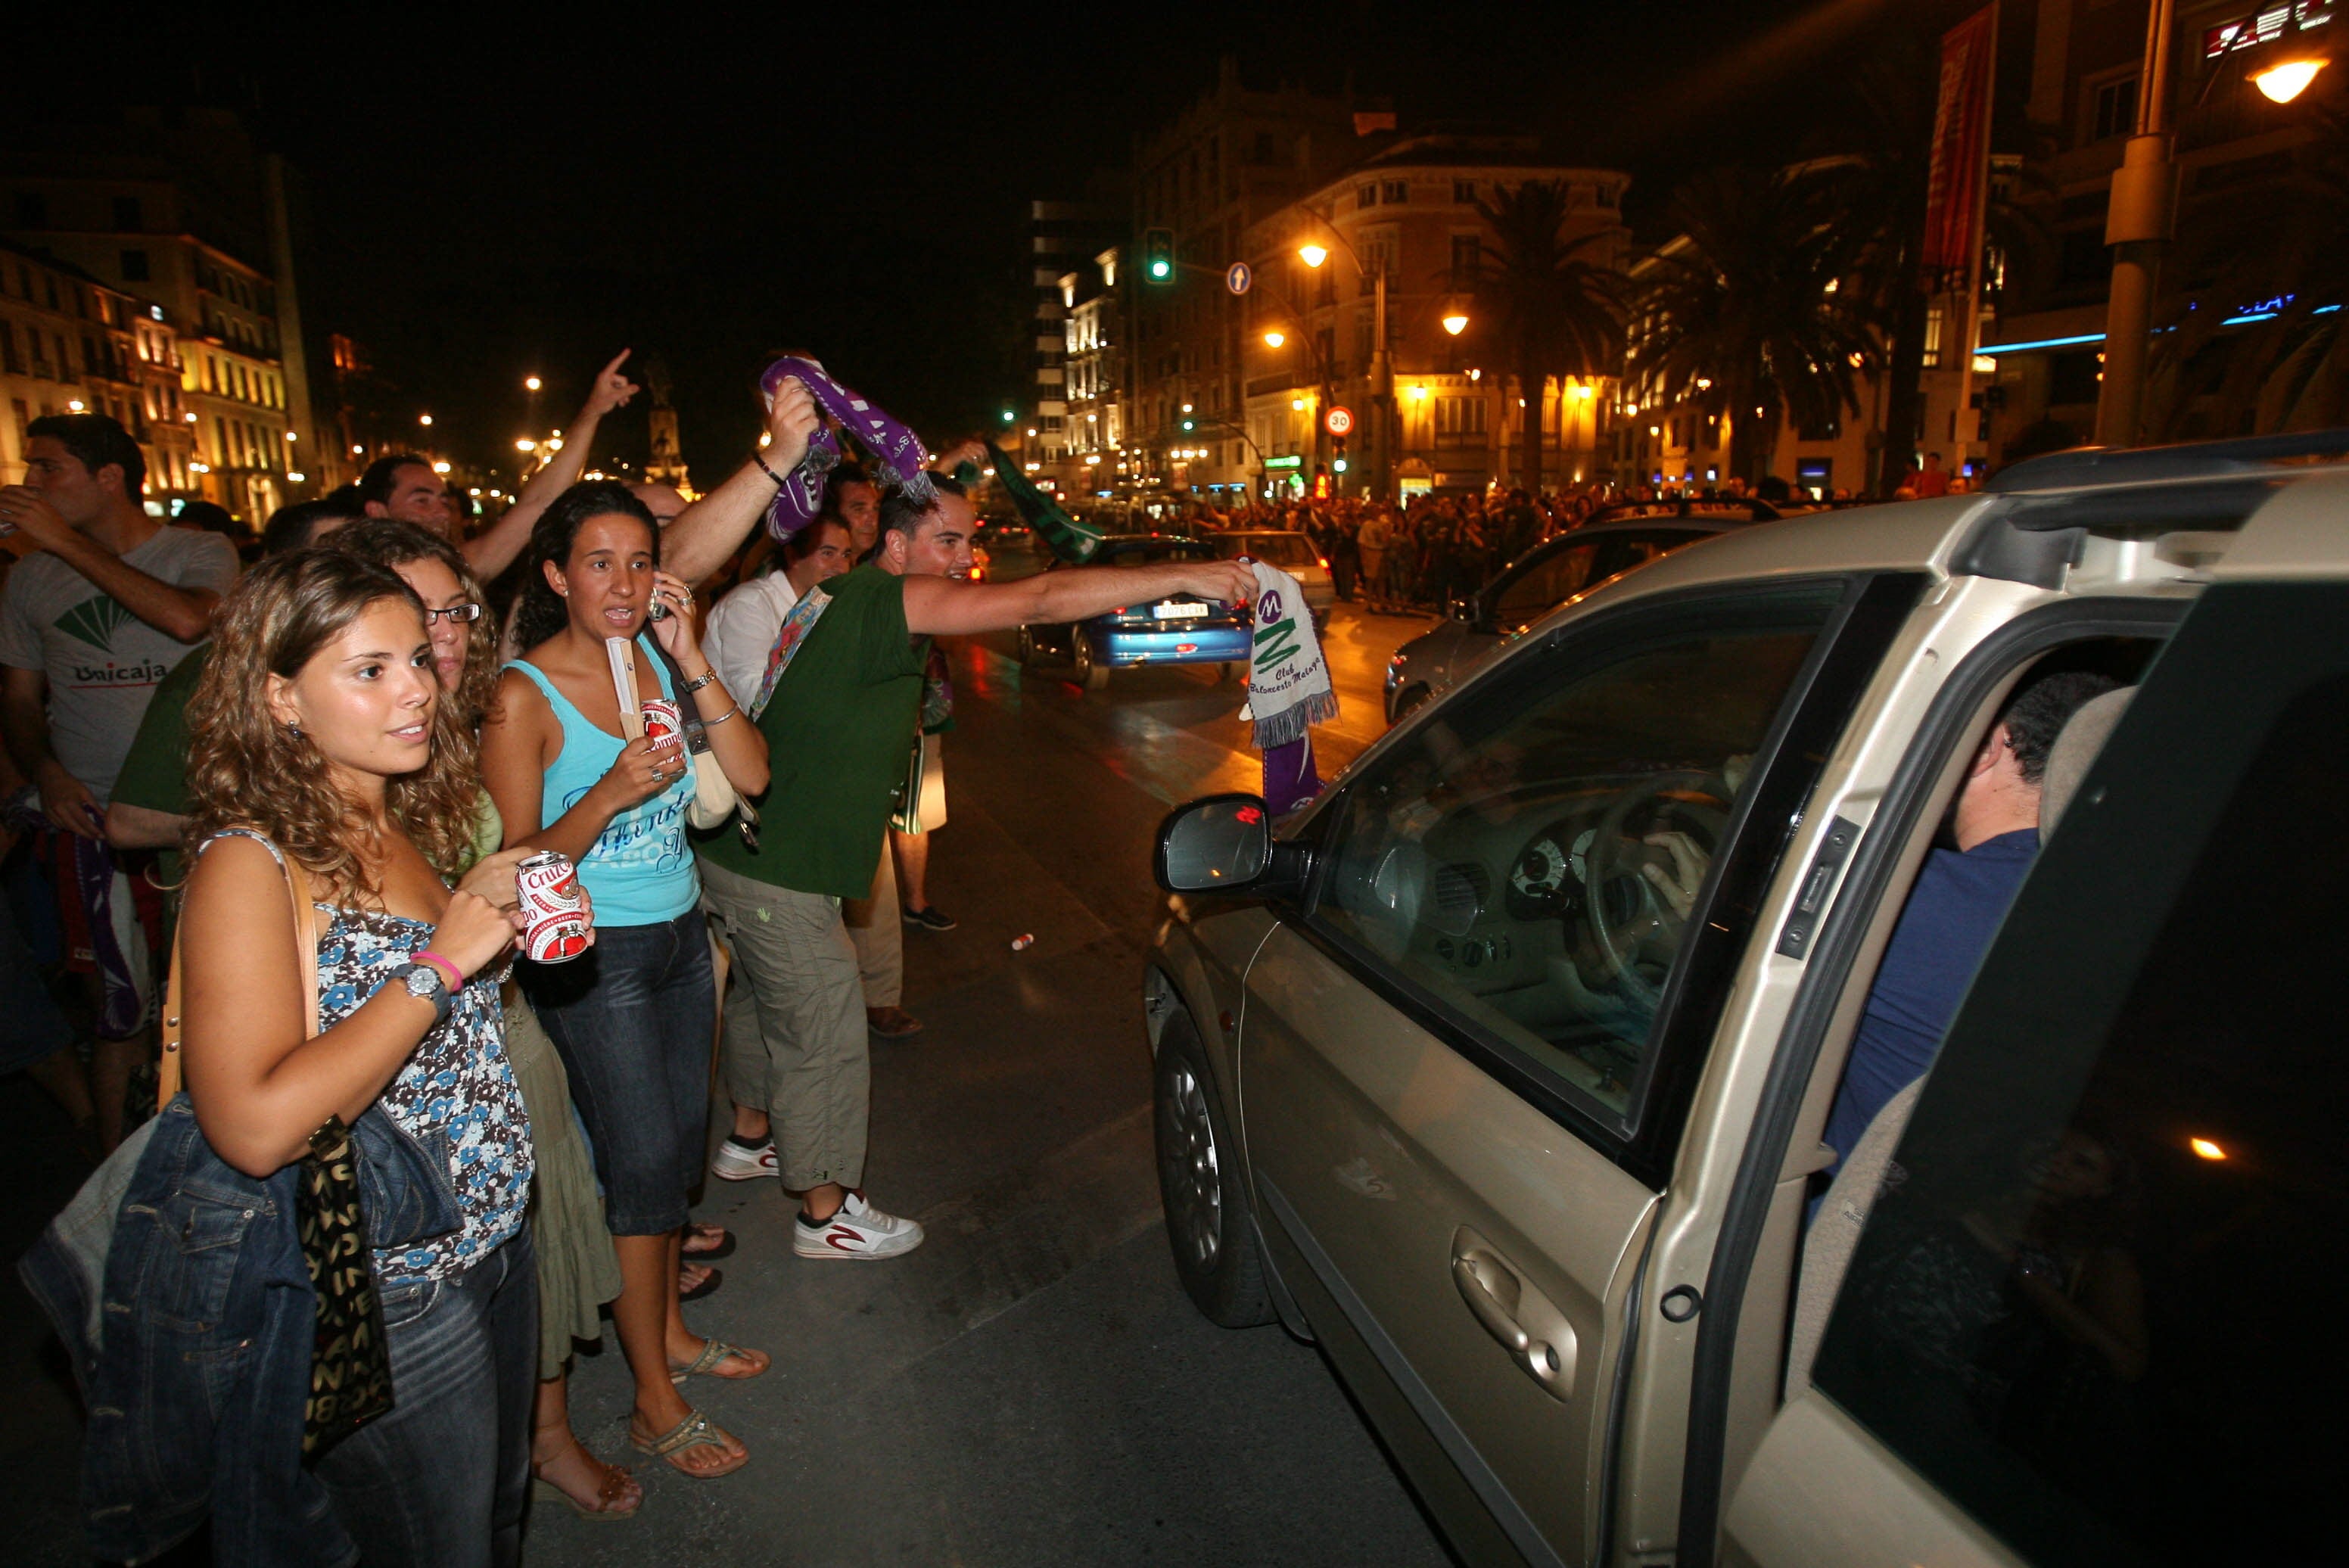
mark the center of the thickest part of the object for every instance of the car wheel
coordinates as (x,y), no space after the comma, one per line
(1027,649)
(1408,699)
(1091,673)
(1224,672)
(1199,1187)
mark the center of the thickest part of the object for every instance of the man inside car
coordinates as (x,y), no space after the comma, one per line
(1960,895)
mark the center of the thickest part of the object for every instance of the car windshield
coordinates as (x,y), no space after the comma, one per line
(1272,549)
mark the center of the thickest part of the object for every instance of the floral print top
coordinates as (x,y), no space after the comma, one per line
(456,1085)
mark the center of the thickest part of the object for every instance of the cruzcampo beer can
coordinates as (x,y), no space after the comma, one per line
(664,722)
(555,915)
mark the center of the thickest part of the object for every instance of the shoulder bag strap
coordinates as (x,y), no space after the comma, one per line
(305,935)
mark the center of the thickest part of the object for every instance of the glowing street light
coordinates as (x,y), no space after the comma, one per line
(1455,324)
(1313,255)
(2285,82)
(525,445)
(424,419)
(1275,338)
(531,383)
(440,468)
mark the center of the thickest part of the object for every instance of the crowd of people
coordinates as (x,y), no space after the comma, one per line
(313,781)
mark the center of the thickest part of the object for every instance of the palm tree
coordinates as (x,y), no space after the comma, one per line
(1751,311)
(1560,310)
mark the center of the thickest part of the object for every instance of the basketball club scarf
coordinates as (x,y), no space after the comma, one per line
(898,458)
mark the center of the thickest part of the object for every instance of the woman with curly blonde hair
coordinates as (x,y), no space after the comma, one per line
(322,738)
(578,1271)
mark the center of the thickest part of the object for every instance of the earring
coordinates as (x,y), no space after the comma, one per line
(295,730)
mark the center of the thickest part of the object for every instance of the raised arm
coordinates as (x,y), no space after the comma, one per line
(495,550)
(940,606)
(734,740)
(713,528)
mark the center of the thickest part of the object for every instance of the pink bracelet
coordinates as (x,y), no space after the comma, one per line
(454,977)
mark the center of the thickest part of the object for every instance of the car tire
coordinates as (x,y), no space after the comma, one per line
(1026,644)
(1199,1188)
(1091,673)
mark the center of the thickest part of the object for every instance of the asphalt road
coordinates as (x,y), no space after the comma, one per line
(1031,1386)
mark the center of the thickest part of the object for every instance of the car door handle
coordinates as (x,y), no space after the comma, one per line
(1536,1334)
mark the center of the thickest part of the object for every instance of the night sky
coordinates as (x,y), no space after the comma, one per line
(492,197)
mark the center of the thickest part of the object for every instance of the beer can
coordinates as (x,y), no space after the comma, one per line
(555,915)
(664,722)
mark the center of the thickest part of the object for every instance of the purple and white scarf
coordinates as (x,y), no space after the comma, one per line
(897,453)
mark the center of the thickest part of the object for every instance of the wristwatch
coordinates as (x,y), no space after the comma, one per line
(426,984)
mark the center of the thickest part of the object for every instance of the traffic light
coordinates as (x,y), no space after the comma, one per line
(1158,255)
(1190,424)
(1338,462)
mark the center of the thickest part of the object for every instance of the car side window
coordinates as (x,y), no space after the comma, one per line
(1544,586)
(2093,1304)
(1528,860)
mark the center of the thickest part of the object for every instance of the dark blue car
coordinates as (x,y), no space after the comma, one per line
(1183,630)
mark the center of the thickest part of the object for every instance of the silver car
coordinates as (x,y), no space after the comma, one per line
(1542,579)
(1501,1071)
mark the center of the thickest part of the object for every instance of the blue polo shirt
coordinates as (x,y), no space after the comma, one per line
(1955,910)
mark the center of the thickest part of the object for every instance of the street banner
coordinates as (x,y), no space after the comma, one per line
(1958,177)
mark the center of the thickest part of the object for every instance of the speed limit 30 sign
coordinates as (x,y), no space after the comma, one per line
(1338,420)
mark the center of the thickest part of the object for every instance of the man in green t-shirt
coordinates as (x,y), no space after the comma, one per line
(150,803)
(797,1050)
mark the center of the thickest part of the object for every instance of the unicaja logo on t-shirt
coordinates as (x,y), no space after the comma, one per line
(94,622)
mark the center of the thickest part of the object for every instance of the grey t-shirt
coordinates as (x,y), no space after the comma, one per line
(103,662)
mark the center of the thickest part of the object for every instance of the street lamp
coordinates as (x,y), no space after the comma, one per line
(530,383)
(1313,255)
(1382,364)
(2283,83)
(1455,324)
(424,420)
(1275,338)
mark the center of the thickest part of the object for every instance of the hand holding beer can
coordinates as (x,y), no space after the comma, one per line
(554,914)
(664,722)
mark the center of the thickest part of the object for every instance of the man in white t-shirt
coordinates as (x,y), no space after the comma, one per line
(90,623)
(744,625)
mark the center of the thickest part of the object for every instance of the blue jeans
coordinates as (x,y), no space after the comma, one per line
(633,1017)
(439,1480)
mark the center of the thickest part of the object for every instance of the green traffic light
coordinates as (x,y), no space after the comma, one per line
(1008,416)
(1340,465)
(1159,269)
(1190,424)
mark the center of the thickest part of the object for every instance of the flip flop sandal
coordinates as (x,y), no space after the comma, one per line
(710,1280)
(723,1247)
(695,1431)
(714,1351)
(614,1486)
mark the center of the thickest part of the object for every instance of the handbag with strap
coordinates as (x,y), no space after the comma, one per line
(350,1360)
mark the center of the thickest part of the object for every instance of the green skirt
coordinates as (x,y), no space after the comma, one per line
(578,1271)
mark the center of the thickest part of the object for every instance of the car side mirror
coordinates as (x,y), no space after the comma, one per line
(1224,844)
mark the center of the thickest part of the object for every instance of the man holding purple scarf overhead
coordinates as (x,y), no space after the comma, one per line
(840,698)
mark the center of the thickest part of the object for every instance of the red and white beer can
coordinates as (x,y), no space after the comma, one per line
(664,722)
(556,915)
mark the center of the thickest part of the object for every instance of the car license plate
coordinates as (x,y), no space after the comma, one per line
(1179,612)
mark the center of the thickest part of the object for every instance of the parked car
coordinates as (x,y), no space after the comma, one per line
(1005,534)
(1469,1073)
(1611,543)
(1183,630)
(1294,553)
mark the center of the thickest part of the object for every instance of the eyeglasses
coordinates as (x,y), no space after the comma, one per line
(459,614)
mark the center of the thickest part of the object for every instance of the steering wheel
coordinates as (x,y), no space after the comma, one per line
(1651,919)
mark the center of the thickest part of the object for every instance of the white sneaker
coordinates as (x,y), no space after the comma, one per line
(732,1163)
(858,1230)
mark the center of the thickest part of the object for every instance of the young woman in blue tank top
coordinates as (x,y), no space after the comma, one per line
(632,1016)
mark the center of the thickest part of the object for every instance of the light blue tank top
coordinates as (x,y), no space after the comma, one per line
(640,869)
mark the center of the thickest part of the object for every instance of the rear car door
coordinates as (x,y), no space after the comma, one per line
(2090,1317)
(1464,1067)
